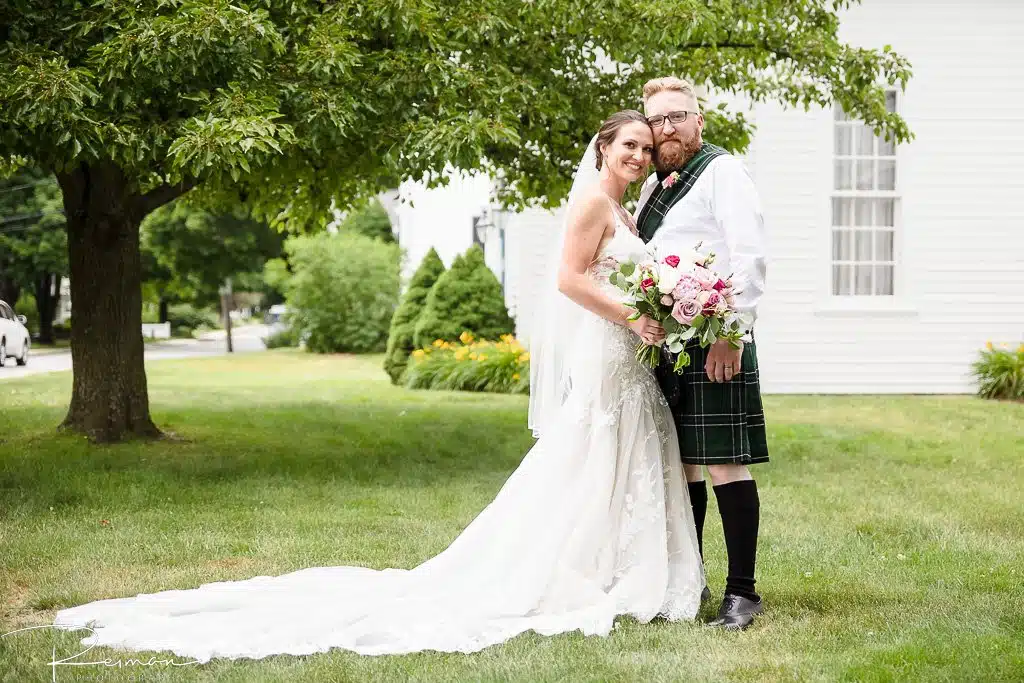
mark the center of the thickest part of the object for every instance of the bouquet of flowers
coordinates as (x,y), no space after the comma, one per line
(688,299)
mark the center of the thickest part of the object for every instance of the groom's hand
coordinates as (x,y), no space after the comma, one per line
(723,361)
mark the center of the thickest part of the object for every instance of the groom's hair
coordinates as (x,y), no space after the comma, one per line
(656,85)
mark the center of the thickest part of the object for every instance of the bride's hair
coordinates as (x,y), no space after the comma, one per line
(610,128)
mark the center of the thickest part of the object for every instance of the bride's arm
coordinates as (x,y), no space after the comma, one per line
(584,231)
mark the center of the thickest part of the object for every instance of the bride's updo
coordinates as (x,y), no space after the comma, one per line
(610,128)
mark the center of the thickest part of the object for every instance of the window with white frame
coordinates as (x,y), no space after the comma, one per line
(864,208)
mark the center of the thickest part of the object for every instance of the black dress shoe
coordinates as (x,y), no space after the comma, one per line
(705,594)
(737,612)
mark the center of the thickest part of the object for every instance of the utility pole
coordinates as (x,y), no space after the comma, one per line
(225,304)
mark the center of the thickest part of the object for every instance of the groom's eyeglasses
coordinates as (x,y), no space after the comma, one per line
(676,117)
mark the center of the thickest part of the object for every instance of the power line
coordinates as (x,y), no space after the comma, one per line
(5,190)
(28,216)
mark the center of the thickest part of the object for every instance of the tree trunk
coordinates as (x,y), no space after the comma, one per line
(164,306)
(10,290)
(46,304)
(109,399)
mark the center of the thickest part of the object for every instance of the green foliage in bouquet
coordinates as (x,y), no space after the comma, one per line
(468,365)
(403,324)
(467,298)
(999,373)
(343,291)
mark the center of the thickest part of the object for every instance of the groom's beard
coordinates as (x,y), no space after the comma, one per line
(672,154)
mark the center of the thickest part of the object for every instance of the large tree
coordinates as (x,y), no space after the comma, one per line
(33,243)
(188,251)
(293,104)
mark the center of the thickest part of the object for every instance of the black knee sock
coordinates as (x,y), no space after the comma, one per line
(699,501)
(741,510)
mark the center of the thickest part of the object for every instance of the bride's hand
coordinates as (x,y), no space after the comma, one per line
(650,331)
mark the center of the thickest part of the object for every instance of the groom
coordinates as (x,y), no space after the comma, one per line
(701,193)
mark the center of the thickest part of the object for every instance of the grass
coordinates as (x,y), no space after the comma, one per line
(891,546)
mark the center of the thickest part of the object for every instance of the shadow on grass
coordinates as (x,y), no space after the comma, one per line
(374,444)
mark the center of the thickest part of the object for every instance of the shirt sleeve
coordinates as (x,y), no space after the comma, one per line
(737,211)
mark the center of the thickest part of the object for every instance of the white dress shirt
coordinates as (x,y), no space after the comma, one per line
(723,212)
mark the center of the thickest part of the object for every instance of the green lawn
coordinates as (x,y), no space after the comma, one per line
(892,545)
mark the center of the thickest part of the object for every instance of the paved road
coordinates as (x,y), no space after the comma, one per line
(245,339)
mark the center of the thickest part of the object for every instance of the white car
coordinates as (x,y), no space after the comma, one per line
(14,336)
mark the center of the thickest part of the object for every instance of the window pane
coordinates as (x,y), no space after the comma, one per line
(842,280)
(865,141)
(865,174)
(890,100)
(842,245)
(844,140)
(886,148)
(862,277)
(885,212)
(862,245)
(886,175)
(883,245)
(884,280)
(844,175)
(842,211)
(862,212)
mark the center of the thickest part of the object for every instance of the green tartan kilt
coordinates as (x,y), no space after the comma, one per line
(718,424)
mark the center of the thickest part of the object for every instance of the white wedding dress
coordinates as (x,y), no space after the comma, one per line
(595,523)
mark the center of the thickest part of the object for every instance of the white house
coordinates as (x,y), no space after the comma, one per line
(889,267)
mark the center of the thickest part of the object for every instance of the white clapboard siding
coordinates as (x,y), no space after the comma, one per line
(960,278)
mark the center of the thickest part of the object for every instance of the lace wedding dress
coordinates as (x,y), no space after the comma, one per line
(595,523)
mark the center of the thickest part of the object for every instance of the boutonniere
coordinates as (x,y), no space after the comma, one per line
(671,180)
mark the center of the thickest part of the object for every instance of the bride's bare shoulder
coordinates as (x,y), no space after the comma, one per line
(591,210)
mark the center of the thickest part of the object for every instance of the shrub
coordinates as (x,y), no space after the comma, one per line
(26,306)
(403,324)
(466,298)
(343,291)
(186,319)
(999,372)
(468,365)
(286,338)
(371,220)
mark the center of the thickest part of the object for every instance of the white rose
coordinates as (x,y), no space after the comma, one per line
(668,278)
(702,298)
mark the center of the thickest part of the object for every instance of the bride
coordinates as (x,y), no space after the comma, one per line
(595,522)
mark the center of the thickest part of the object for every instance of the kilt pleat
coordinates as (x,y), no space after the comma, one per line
(718,424)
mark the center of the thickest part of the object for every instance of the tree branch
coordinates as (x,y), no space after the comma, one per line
(159,196)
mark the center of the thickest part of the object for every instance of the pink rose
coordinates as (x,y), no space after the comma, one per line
(712,303)
(685,311)
(667,300)
(687,287)
(646,283)
(672,260)
(705,277)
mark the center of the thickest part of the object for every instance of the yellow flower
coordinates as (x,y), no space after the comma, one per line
(482,357)
(472,356)
(988,345)
(507,338)
(525,357)
(466,337)
(438,342)
(515,377)
(419,353)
